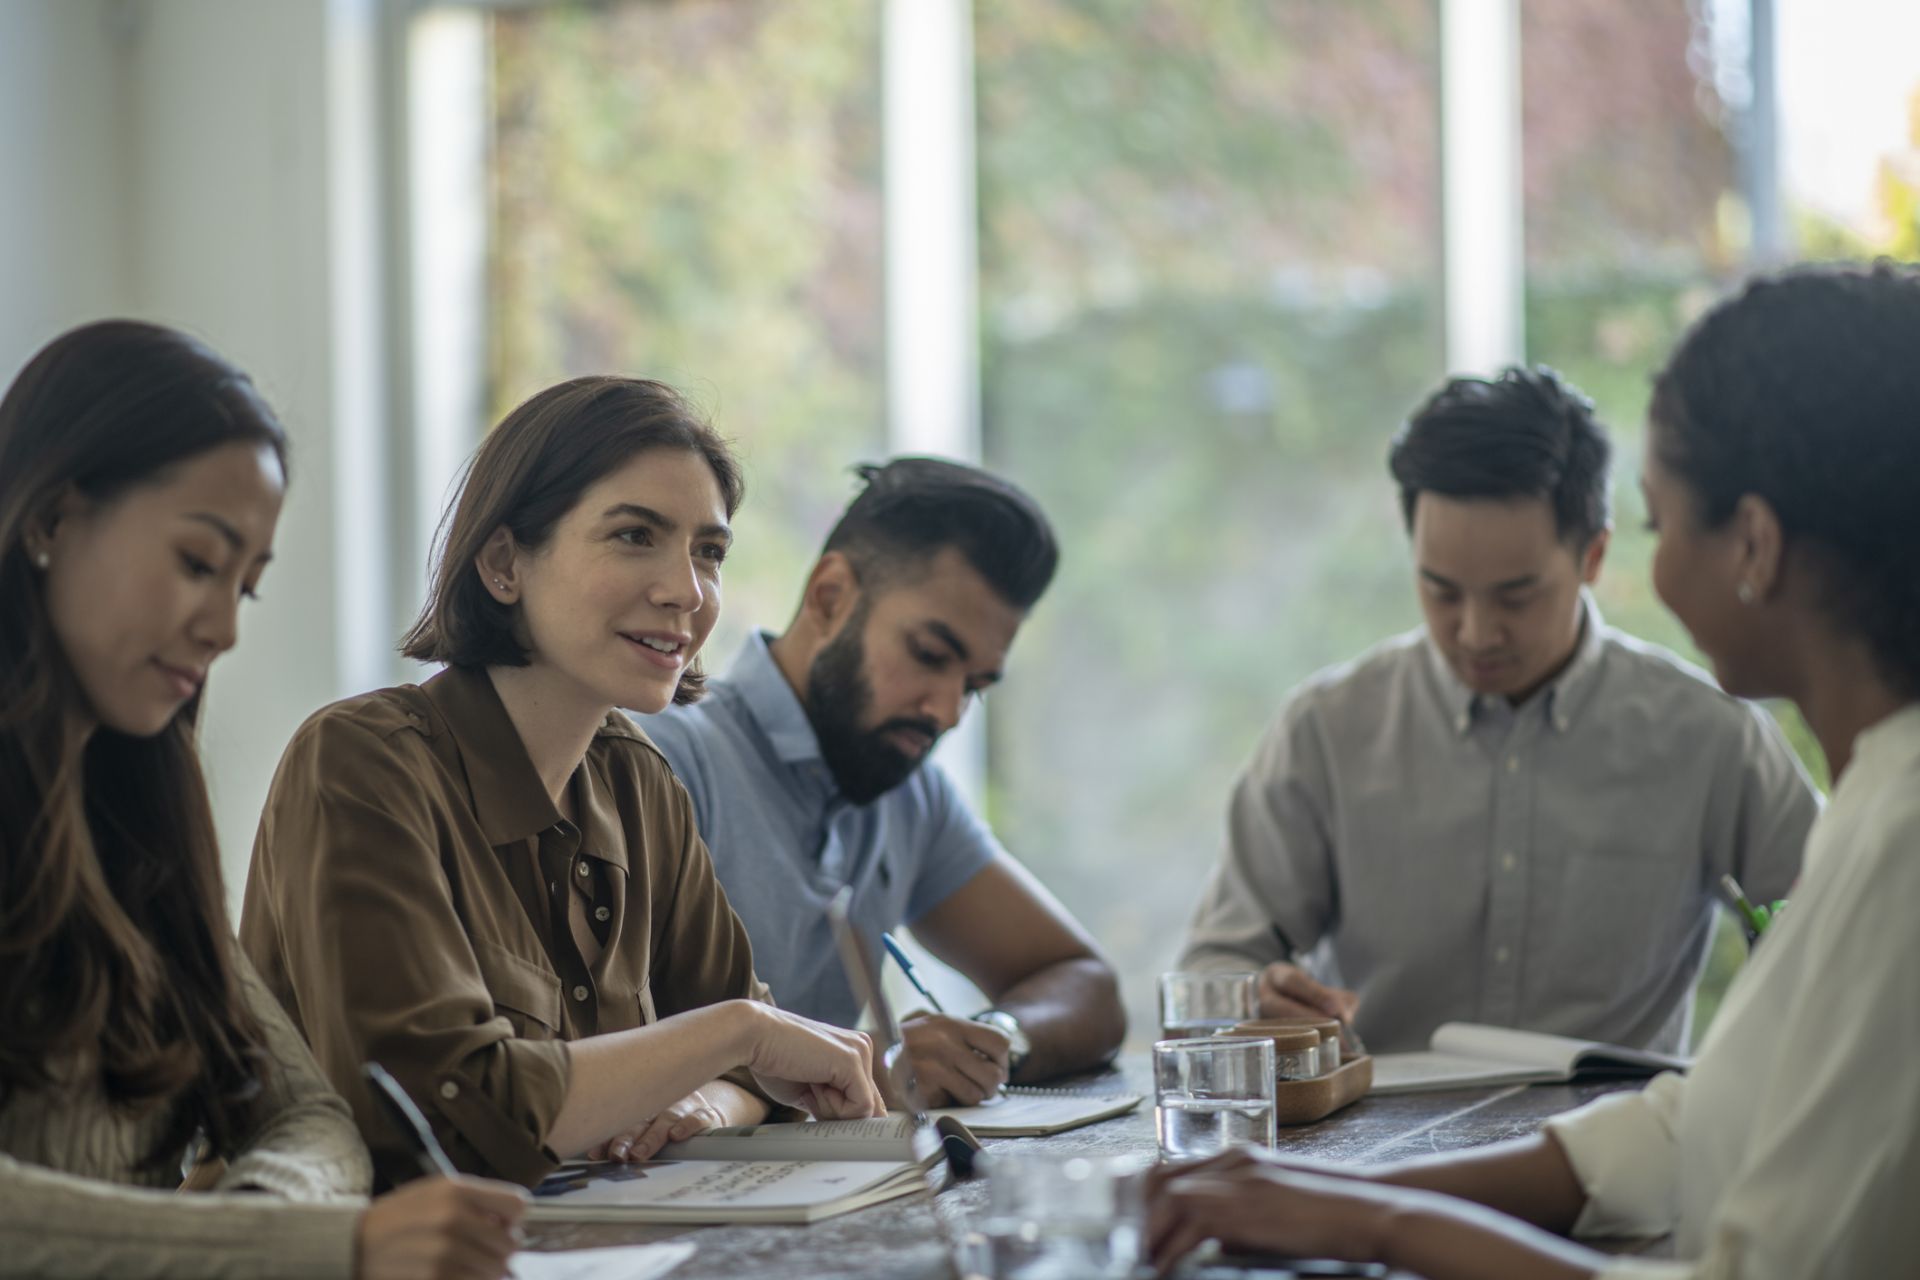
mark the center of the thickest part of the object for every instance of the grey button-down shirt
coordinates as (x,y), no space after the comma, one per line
(1550,866)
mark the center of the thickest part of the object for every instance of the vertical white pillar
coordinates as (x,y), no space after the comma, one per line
(1483,234)
(932,260)
(446,201)
(932,265)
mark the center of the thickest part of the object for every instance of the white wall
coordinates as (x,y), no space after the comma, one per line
(62,179)
(207,163)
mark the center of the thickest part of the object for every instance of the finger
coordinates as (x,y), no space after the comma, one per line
(598,1151)
(504,1201)
(966,1076)
(468,1257)
(988,1073)
(939,1085)
(647,1143)
(989,1042)
(695,1123)
(1292,983)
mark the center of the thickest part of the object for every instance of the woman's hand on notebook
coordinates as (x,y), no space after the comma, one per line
(712,1106)
(826,1071)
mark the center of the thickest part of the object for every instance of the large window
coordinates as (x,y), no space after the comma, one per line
(691,191)
(1214,251)
(1210,275)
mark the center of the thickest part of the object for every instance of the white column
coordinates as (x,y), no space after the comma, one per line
(445,234)
(932,266)
(1483,237)
(932,260)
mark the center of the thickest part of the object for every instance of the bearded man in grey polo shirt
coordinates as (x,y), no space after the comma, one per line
(1516,814)
(808,768)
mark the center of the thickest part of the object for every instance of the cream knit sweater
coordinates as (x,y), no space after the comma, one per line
(72,1202)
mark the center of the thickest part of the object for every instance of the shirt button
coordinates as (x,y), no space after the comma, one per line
(601,913)
(579,993)
(1513,764)
(449,1090)
(580,867)
(1500,955)
(1507,862)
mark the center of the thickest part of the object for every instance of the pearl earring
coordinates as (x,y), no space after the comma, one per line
(42,560)
(1745,592)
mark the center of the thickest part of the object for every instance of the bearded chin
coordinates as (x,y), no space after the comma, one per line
(864,765)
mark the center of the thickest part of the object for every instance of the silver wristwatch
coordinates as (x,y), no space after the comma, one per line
(1018,1046)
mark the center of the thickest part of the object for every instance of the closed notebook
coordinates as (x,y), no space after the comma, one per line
(748,1173)
(1462,1055)
(1022,1112)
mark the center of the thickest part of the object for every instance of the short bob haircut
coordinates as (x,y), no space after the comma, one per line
(528,473)
(1526,434)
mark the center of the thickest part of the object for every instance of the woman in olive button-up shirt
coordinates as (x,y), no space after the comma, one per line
(491,883)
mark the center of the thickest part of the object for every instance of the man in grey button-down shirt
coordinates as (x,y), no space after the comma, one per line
(1516,814)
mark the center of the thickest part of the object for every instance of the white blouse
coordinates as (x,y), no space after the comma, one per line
(1792,1151)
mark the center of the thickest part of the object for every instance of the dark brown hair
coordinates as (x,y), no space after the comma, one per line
(115,948)
(528,473)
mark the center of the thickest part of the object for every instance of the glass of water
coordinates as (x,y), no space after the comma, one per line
(1199,1004)
(1213,1093)
(1053,1216)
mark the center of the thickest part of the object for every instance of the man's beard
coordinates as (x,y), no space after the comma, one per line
(865,766)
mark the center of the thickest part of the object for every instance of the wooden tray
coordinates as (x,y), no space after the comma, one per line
(1305,1101)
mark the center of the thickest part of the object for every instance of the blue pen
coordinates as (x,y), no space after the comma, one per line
(906,967)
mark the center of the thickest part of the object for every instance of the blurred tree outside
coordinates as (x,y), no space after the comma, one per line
(1210,290)
(691,191)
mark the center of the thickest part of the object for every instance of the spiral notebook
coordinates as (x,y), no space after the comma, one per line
(1022,1112)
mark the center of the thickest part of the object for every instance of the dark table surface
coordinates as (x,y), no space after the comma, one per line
(900,1240)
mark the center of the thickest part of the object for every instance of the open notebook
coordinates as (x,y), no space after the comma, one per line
(1024,1112)
(1465,1054)
(748,1173)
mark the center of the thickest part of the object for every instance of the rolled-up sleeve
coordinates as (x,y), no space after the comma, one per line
(350,908)
(1625,1156)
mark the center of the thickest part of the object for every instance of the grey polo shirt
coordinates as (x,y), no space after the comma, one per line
(784,840)
(1550,866)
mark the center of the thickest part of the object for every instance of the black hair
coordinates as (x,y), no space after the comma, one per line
(1526,434)
(528,473)
(913,508)
(1804,390)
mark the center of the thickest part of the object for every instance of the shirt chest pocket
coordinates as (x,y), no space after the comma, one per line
(525,993)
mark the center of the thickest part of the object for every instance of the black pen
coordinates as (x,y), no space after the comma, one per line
(407,1118)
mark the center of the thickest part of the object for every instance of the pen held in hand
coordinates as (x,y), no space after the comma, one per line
(407,1119)
(906,967)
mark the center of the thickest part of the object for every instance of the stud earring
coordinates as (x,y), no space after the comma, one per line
(42,560)
(1745,592)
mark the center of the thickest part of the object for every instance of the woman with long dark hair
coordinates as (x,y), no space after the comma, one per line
(1783,451)
(141,478)
(491,882)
